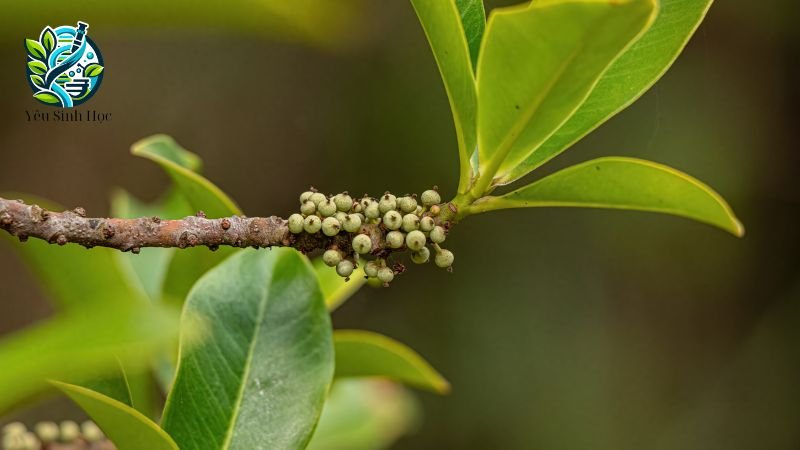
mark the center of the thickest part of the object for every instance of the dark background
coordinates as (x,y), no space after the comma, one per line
(559,329)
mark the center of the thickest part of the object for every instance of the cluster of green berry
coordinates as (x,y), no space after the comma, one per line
(17,437)
(403,222)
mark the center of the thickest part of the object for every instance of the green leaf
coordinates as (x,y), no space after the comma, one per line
(334,288)
(537,66)
(47,97)
(367,354)
(630,76)
(261,378)
(114,385)
(622,183)
(82,345)
(442,24)
(74,277)
(93,70)
(35,49)
(37,80)
(48,39)
(473,19)
(181,167)
(365,415)
(127,428)
(37,67)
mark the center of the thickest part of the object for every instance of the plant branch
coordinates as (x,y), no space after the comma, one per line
(72,226)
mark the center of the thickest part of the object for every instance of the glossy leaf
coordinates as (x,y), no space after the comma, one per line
(442,24)
(181,166)
(623,183)
(630,76)
(74,277)
(537,66)
(93,70)
(37,80)
(81,345)
(365,415)
(37,67)
(127,428)
(47,97)
(366,354)
(473,19)
(261,378)
(334,288)
(48,39)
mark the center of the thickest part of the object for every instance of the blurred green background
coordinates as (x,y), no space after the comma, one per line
(559,329)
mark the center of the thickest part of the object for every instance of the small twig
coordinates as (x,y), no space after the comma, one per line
(31,221)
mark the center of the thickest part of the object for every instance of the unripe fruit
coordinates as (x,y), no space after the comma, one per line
(435,210)
(15,428)
(318,197)
(69,431)
(374,282)
(312,224)
(444,258)
(331,226)
(327,208)
(340,216)
(28,441)
(422,256)
(372,211)
(362,244)
(351,223)
(410,222)
(419,210)
(385,274)
(366,201)
(437,235)
(393,220)
(47,431)
(308,208)
(331,257)
(426,224)
(343,202)
(91,432)
(395,239)
(357,207)
(371,268)
(430,198)
(345,268)
(415,240)
(305,196)
(388,203)
(295,223)
(407,204)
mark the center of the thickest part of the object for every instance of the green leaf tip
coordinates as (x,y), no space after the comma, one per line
(623,183)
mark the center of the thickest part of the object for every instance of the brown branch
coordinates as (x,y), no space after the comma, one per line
(26,221)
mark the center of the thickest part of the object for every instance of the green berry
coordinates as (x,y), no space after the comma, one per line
(331,257)
(305,196)
(393,220)
(295,223)
(362,244)
(395,239)
(327,208)
(426,224)
(444,258)
(388,203)
(419,210)
(372,211)
(343,202)
(312,224)
(331,226)
(317,198)
(345,268)
(430,197)
(385,274)
(47,431)
(366,201)
(91,432)
(415,240)
(435,210)
(410,222)
(69,431)
(340,216)
(308,208)
(438,235)
(374,282)
(371,268)
(357,207)
(352,223)
(407,204)
(422,256)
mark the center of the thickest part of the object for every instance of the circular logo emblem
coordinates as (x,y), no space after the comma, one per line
(65,66)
